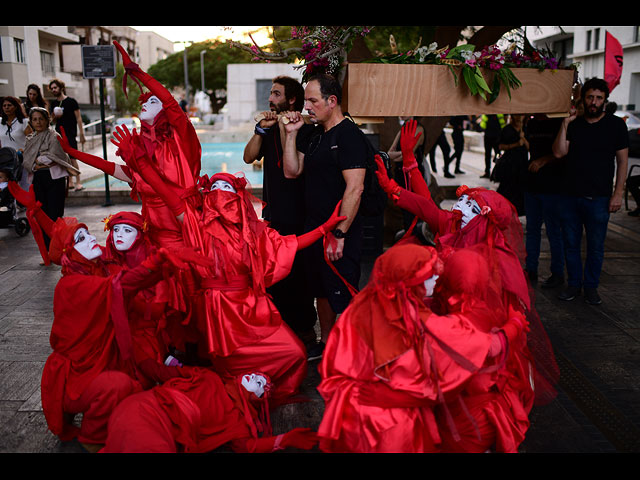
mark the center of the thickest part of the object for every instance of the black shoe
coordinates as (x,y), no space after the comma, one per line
(486,175)
(570,293)
(458,171)
(553,281)
(635,213)
(449,175)
(315,351)
(591,296)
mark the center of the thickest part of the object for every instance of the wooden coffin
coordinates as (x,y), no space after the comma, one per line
(382,90)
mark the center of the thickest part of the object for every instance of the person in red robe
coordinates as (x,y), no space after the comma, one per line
(196,412)
(390,361)
(490,414)
(91,367)
(239,323)
(172,144)
(487,221)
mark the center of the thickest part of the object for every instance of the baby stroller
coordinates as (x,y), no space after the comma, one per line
(11,214)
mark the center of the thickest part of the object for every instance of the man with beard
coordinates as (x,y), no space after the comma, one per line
(284,209)
(597,147)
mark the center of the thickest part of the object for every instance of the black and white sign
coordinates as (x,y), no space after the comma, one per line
(98,61)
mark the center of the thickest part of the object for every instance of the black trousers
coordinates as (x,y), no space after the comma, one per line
(51,193)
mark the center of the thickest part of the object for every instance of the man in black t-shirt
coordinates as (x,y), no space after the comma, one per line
(333,160)
(65,113)
(284,209)
(597,146)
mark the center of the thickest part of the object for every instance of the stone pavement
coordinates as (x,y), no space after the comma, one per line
(597,409)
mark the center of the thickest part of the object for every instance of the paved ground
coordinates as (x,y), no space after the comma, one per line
(597,409)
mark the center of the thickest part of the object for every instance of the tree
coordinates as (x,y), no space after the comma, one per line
(125,105)
(170,71)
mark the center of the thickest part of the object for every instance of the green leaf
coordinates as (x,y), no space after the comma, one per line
(480,80)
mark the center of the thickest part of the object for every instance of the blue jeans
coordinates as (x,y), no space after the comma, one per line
(543,208)
(592,216)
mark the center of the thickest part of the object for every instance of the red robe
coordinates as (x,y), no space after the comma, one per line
(363,348)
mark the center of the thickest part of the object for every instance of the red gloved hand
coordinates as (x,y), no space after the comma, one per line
(26,199)
(325,229)
(390,187)
(408,141)
(190,255)
(378,394)
(129,146)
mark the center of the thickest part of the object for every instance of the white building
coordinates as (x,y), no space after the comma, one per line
(248,87)
(584,45)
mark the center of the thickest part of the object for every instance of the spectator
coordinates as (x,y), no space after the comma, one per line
(334,163)
(544,184)
(511,167)
(34,98)
(14,125)
(457,135)
(284,209)
(446,153)
(47,165)
(491,125)
(66,114)
(597,147)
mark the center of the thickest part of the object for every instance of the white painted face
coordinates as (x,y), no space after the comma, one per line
(150,109)
(468,207)
(222,185)
(254,383)
(86,244)
(430,284)
(123,236)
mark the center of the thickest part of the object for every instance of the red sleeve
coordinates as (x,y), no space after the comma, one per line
(426,209)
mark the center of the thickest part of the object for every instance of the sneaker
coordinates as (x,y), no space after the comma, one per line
(553,281)
(591,296)
(315,351)
(570,293)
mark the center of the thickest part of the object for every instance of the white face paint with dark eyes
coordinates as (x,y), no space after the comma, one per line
(123,236)
(254,383)
(430,284)
(468,207)
(222,185)
(86,244)
(150,109)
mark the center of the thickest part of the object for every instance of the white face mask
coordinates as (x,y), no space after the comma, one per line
(254,383)
(86,244)
(123,236)
(430,284)
(222,185)
(468,207)
(150,109)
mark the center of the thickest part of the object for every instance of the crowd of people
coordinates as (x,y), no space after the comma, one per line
(197,317)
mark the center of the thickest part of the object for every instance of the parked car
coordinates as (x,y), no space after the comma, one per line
(632,119)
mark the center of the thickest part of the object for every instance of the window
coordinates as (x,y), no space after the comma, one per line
(636,33)
(19,44)
(596,39)
(46,61)
(589,32)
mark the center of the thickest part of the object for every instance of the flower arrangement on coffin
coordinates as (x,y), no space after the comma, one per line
(467,63)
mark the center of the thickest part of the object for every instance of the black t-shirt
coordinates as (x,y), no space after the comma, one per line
(541,133)
(284,197)
(592,155)
(68,119)
(327,154)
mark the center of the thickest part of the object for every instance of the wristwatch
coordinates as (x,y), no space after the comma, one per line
(338,233)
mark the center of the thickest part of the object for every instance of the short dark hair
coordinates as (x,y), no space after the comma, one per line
(60,84)
(292,89)
(329,85)
(595,84)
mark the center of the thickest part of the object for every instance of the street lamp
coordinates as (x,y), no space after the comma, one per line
(202,52)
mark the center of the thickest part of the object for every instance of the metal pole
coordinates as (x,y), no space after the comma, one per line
(202,68)
(186,74)
(107,194)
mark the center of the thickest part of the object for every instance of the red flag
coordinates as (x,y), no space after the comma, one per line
(612,61)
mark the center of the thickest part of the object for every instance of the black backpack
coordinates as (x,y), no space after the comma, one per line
(374,199)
